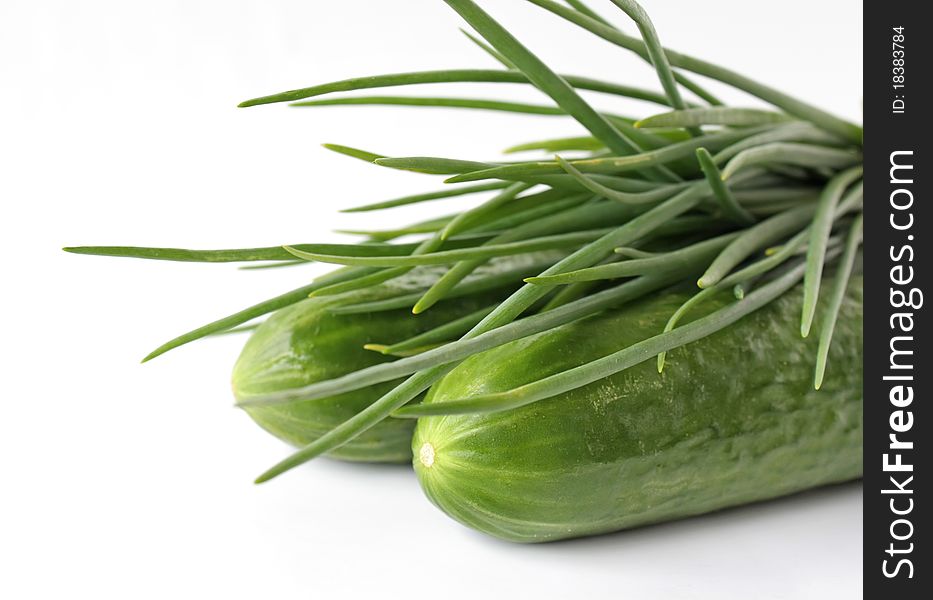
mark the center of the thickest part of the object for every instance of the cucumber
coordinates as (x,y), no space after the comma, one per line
(306,343)
(732,419)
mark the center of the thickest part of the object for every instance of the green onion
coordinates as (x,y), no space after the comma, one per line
(789,104)
(714,115)
(623,359)
(805,155)
(819,235)
(453,76)
(415,198)
(727,201)
(838,294)
(639,266)
(739,201)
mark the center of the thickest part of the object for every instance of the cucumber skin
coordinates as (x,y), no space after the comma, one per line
(306,343)
(641,447)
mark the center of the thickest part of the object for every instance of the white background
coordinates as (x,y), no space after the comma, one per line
(118,126)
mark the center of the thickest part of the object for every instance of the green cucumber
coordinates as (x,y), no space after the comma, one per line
(306,343)
(732,419)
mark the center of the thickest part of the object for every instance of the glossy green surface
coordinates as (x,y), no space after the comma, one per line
(733,419)
(305,343)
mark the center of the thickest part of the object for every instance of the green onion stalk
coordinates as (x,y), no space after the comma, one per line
(749,201)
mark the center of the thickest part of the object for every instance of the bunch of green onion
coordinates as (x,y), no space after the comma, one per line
(755,201)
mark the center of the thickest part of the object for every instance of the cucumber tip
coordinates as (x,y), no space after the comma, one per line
(426,455)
